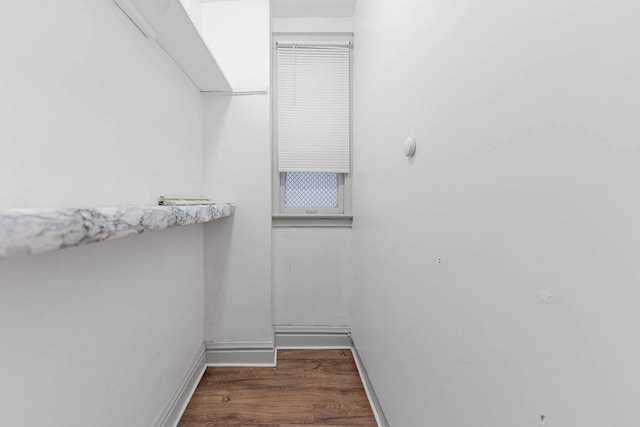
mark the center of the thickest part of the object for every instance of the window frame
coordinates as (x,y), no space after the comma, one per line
(308,217)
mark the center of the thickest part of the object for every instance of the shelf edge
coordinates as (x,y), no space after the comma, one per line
(34,231)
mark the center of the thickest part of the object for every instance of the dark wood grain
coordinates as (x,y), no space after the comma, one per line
(308,388)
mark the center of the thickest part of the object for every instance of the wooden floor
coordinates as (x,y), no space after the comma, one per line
(309,388)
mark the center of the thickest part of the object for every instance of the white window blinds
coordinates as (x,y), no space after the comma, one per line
(313,98)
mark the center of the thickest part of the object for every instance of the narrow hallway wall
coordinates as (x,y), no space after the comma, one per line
(94,114)
(497,271)
(238,168)
(312,268)
(238,249)
(312,276)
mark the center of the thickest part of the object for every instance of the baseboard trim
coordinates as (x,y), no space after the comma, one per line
(241,354)
(378,413)
(300,337)
(181,397)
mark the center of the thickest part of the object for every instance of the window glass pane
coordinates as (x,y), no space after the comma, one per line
(311,190)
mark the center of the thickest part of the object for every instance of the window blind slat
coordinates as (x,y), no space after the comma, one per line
(313,124)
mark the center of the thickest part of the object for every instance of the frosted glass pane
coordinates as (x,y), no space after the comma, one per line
(311,190)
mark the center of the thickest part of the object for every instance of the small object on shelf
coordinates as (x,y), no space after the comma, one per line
(183,201)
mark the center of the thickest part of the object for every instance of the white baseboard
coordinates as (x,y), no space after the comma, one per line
(178,403)
(292,337)
(241,354)
(378,413)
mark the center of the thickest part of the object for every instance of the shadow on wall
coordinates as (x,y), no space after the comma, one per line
(217,247)
(215,120)
(128,306)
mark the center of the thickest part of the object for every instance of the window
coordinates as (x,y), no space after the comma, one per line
(312,130)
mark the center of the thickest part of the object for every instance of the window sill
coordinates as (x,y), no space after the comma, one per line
(312,220)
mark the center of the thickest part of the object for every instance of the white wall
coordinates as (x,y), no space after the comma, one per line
(101,335)
(194,10)
(238,249)
(310,267)
(237,156)
(312,276)
(238,33)
(94,114)
(312,25)
(524,185)
(312,272)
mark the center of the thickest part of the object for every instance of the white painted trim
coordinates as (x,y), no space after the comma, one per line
(239,345)
(261,353)
(319,220)
(376,407)
(137,18)
(312,337)
(279,329)
(172,413)
(239,92)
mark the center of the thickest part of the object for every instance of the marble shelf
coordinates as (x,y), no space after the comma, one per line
(33,231)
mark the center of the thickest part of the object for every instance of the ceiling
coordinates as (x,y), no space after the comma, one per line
(312,8)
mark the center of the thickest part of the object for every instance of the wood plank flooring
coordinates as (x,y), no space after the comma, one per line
(308,388)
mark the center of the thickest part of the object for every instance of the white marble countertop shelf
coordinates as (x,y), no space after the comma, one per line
(33,231)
